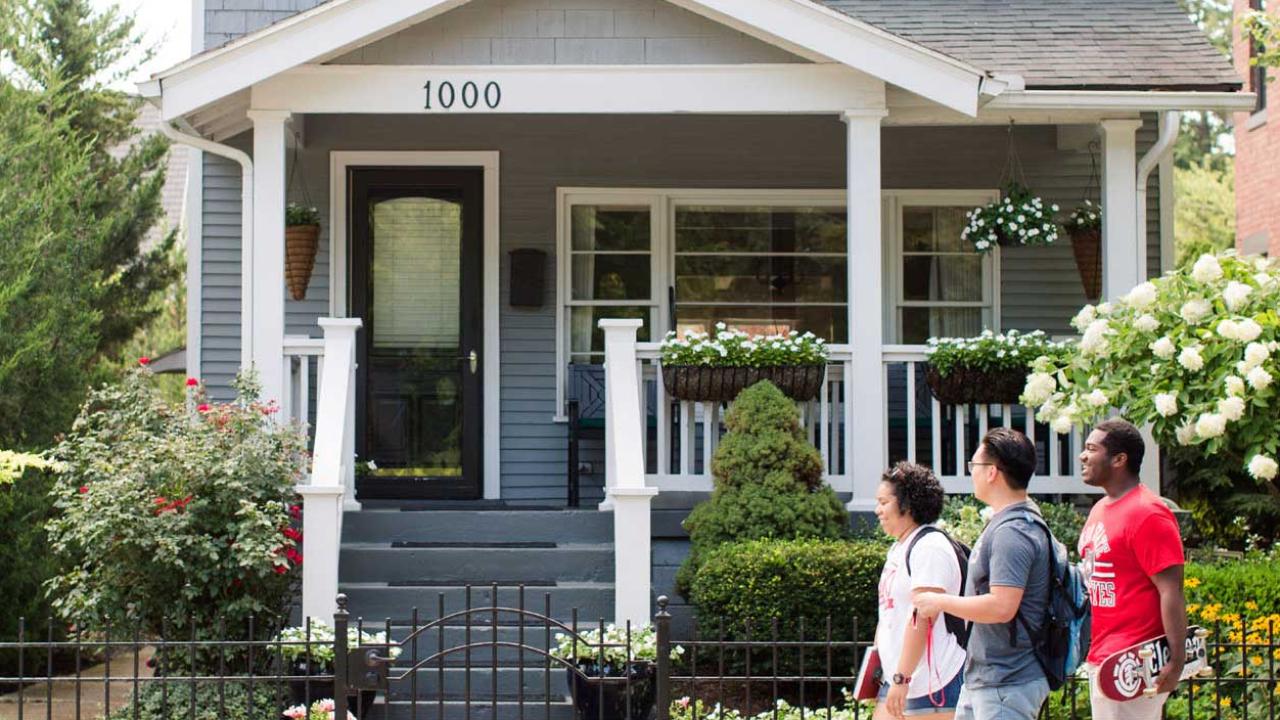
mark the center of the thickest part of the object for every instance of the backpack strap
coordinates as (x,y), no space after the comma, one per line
(924,530)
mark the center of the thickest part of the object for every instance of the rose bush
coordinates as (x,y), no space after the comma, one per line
(176,512)
(1194,353)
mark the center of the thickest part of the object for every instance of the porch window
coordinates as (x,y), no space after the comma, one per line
(760,268)
(941,285)
(610,273)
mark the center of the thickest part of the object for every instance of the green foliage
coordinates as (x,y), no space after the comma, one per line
(1241,586)
(213,701)
(992,351)
(175,511)
(1205,211)
(295,214)
(1086,216)
(1194,353)
(768,482)
(788,579)
(1264,29)
(964,517)
(735,348)
(25,563)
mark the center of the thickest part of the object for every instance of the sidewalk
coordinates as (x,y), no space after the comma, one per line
(92,690)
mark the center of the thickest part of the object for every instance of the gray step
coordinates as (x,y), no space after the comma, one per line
(535,680)
(456,710)
(376,601)
(560,526)
(370,562)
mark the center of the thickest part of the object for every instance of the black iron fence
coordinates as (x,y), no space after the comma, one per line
(492,660)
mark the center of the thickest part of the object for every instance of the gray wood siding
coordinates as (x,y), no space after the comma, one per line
(1040,287)
(578,32)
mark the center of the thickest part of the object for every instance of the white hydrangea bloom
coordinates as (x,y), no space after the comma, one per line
(1255,354)
(1105,308)
(1263,467)
(1207,269)
(1094,341)
(1039,387)
(1259,379)
(1210,425)
(1084,318)
(1190,359)
(1235,386)
(1231,408)
(1236,295)
(1163,348)
(1062,424)
(1229,329)
(1263,279)
(1193,311)
(1097,398)
(1147,323)
(1166,404)
(1141,297)
(1186,434)
(1248,330)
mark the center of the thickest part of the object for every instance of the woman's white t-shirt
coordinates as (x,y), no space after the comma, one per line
(933,564)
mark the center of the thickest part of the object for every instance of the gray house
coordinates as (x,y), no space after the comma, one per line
(510,190)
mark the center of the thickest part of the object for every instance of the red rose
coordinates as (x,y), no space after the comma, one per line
(202,407)
(294,556)
(292,533)
(84,489)
(192,382)
(144,361)
(295,511)
(281,569)
(160,501)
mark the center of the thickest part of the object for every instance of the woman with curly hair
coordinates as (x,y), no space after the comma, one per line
(921,660)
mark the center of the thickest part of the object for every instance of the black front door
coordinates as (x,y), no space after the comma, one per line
(416,258)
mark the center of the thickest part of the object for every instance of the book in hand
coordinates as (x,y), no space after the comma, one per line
(867,686)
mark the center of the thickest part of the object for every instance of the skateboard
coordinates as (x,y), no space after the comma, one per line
(1132,672)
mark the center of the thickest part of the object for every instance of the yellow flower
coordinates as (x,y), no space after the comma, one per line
(1251,605)
(1192,608)
(1225,702)
(1192,582)
(1235,636)
(1233,618)
(1255,661)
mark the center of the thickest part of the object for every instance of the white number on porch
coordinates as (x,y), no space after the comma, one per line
(445,95)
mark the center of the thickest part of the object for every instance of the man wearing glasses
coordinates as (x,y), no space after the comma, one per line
(1008,579)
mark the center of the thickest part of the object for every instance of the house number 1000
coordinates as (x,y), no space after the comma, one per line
(445,95)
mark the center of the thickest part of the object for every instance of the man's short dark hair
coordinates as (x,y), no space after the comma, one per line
(917,490)
(1121,436)
(1013,453)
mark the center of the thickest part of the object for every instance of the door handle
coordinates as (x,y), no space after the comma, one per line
(474,360)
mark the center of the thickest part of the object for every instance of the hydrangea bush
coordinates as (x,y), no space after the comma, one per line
(176,512)
(1019,218)
(992,351)
(735,348)
(1194,353)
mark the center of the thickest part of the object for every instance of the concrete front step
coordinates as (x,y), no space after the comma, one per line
(535,680)
(457,710)
(477,526)
(381,562)
(376,601)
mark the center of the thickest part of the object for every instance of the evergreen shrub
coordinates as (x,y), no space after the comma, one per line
(768,482)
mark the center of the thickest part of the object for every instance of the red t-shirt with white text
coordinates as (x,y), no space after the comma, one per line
(1124,543)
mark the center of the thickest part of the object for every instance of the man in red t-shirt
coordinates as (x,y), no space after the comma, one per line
(1131,554)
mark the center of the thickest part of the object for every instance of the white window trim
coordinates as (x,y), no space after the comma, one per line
(894,202)
(663,203)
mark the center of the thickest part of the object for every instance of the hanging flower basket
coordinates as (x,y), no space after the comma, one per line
(990,369)
(301,240)
(700,383)
(1019,218)
(703,368)
(1085,228)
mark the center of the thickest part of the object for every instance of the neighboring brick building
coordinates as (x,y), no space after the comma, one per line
(1257,155)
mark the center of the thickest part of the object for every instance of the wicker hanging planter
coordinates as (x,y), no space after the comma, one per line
(701,383)
(965,385)
(1086,244)
(300,243)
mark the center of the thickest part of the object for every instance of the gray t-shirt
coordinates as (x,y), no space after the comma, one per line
(1014,554)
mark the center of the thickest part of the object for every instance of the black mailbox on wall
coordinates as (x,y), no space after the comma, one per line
(528,273)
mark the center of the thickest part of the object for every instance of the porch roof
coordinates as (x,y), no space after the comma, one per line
(1066,44)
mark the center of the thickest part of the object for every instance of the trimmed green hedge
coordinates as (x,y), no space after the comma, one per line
(1240,586)
(789,579)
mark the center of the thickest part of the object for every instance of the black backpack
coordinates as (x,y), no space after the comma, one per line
(956,626)
(1063,641)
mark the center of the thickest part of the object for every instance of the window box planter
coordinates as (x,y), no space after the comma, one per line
(703,383)
(989,369)
(965,385)
(595,699)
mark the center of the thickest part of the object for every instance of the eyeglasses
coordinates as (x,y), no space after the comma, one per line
(970,465)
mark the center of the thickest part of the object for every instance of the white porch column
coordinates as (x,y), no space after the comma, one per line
(264,299)
(1124,244)
(626,493)
(864,407)
(1121,240)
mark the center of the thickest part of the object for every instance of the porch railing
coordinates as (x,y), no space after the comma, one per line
(920,429)
(681,436)
(303,366)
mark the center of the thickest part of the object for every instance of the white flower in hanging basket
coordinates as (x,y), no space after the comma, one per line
(1085,218)
(1020,218)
